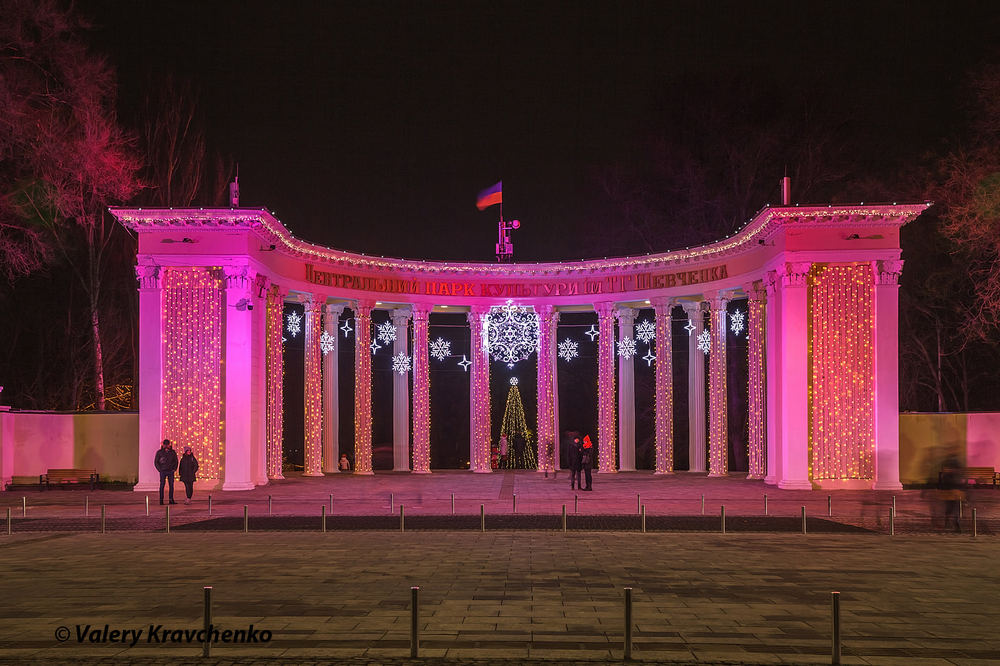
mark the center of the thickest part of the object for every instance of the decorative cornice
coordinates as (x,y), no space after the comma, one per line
(795,273)
(272,232)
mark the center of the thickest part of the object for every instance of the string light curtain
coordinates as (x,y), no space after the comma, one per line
(480,393)
(548,320)
(841,391)
(421,391)
(756,453)
(718,418)
(363,387)
(664,387)
(606,436)
(192,369)
(275,352)
(313,396)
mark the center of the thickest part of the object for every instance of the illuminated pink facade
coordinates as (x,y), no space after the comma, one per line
(821,290)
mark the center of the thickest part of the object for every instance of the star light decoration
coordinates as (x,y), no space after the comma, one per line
(465,363)
(705,342)
(293,323)
(737,321)
(593,332)
(511,333)
(689,327)
(568,350)
(649,357)
(440,349)
(645,330)
(626,347)
(326,343)
(513,381)
(346,328)
(375,346)
(401,363)
(386,332)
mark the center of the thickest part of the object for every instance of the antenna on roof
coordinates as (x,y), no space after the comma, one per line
(234,189)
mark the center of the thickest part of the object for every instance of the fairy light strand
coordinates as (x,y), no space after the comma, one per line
(718,422)
(664,388)
(275,380)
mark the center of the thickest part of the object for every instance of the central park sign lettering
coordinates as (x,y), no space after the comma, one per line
(594,285)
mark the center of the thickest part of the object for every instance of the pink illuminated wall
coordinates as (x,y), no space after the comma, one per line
(192,365)
(841,432)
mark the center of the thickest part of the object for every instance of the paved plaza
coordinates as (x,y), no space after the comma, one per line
(505,595)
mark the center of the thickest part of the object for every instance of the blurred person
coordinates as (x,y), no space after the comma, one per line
(187,469)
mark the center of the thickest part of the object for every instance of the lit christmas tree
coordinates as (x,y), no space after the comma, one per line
(520,447)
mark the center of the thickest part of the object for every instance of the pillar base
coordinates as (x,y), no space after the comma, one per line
(420,471)
(754,477)
(887,485)
(482,471)
(401,469)
(278,477)
(237,485)
(792,484)
(364,473)
(312,474)
(668,472)
(716,475)
(607,471)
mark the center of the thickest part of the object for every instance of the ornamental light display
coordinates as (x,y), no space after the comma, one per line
(705,341)
(592,332)
(689,327)
(401,363)
(346,328)
(737,321)
(386,332)
(465,363)
(375,346)
(293,323)
(568,350)
(645,331)
(520,447)
(440,349)
(326,343)
(649,357)
(511,333)
(626,347)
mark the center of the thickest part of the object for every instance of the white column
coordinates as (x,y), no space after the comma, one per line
(238,377)
(794,377)
(626,394)
(150,374)
(718,394)
(886,347)
(400,396)
(331,391)
(259,365)
(607,456)
(772,374)
(696,389)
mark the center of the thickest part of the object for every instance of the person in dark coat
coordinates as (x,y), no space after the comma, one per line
(187,469)
(574,458)
(165,463)
(587,459)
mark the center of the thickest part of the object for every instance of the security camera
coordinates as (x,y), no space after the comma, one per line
(249,306)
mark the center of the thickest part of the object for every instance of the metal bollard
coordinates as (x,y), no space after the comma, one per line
(514,505)
(269,505)
(391,502)
(414,626)
(892,521)
(576,504)
(894,505)
(482,517)
(147,505)
(723,514)
(803,520)
(103,515)
(168,519)
(961,512)
(24,507)
(246,519)
(322,518)
(86,506)
(643,514)
(401,524)
(331,503)
(975,528)
(210,505)
(8,521)
(638,503)
(628,624)
(765,504)
(835,647)
(564,518)
(206,648)
(829,505)
(703,505)
(453,504)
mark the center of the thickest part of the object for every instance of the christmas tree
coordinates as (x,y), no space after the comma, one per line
(520,444)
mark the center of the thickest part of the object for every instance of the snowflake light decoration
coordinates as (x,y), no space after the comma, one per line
(386,332)
(626,347)
(294,323)
(465,363)
(736,321)
(513,381)
(649,357)
(326,343)
(401,363)
(705,341)
(440,349)
(375,346)
(568,349)
(645,330)
(346,328)
(592,332)
(511,333)
(689,327)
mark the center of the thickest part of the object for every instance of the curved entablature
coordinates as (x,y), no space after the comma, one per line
(759,233)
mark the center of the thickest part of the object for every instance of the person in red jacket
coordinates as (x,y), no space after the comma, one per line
(587,459)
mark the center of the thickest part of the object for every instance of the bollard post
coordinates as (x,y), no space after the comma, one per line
(210,505)
(894,505)
(322,518)
(24,507)
(206,648)
(576,504)
(246,519)
(103,515)
(482,517)
(331,503)
(401,527)
(703,505)
(643,513)
(391,502)
(168,519)
(514,506)
(835,647)
(564,518)
(147,505)
(723,514)
(628,624)
(974,526)
(765,504)
(803,520)
(269,505)
(453,504)
(829,505)
(961,512)
(86,506)
(8,520)
(892,521)
(414,626)
(638,503)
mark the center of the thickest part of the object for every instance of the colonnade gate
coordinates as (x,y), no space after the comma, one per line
(821,285)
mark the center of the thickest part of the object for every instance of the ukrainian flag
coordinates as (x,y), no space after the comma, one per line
(490,196)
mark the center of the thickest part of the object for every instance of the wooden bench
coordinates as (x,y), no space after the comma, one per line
(62,477)
(979,476)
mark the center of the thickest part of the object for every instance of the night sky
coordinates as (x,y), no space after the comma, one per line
(371,126)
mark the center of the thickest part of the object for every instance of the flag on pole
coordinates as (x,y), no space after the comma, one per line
(490,196)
